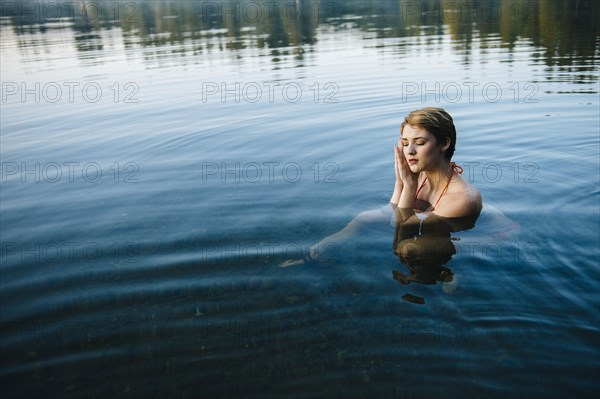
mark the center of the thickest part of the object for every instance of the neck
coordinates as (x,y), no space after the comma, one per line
(439,176)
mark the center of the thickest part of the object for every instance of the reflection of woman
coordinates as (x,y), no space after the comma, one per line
(427,184)
(424,249)
(425,258)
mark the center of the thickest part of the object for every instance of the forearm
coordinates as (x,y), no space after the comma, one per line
(404,208)
(407,196)
(397,192)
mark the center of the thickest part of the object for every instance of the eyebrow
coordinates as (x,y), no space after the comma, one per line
(416,138)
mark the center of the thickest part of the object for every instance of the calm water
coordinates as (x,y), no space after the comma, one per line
(161,159)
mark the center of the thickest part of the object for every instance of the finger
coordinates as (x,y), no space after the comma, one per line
(402,157)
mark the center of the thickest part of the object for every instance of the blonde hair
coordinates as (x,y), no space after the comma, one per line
(437,122)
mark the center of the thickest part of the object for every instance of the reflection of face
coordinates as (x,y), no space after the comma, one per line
(408,251)
(420,149)
(426,251)
(426,256)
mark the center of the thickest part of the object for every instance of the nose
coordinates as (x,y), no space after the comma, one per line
(410,149)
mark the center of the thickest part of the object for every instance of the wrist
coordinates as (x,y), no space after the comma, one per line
(410,184)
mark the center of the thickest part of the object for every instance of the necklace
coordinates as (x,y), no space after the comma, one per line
(455,169)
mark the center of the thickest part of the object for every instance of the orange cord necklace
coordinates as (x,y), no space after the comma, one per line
(455,168)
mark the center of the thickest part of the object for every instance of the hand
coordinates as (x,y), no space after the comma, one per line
(403,173)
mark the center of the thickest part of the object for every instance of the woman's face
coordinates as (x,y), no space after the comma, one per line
(420,149)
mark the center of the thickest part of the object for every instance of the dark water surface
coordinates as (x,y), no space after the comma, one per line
(160,159)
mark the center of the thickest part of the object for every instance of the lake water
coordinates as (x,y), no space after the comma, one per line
(160,159)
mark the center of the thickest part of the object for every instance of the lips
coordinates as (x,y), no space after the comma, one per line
(412,161)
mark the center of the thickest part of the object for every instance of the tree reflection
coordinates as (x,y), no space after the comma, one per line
(566,31)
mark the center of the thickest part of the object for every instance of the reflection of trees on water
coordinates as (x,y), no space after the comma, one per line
(566,31)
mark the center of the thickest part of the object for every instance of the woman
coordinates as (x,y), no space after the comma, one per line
(428,188)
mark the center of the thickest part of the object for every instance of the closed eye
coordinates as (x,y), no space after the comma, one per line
(416,142)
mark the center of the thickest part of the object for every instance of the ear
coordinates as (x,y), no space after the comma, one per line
(446,145)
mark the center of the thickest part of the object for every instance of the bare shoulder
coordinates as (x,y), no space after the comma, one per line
(462,200)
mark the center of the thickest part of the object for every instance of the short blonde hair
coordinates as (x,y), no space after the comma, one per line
(437,122)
